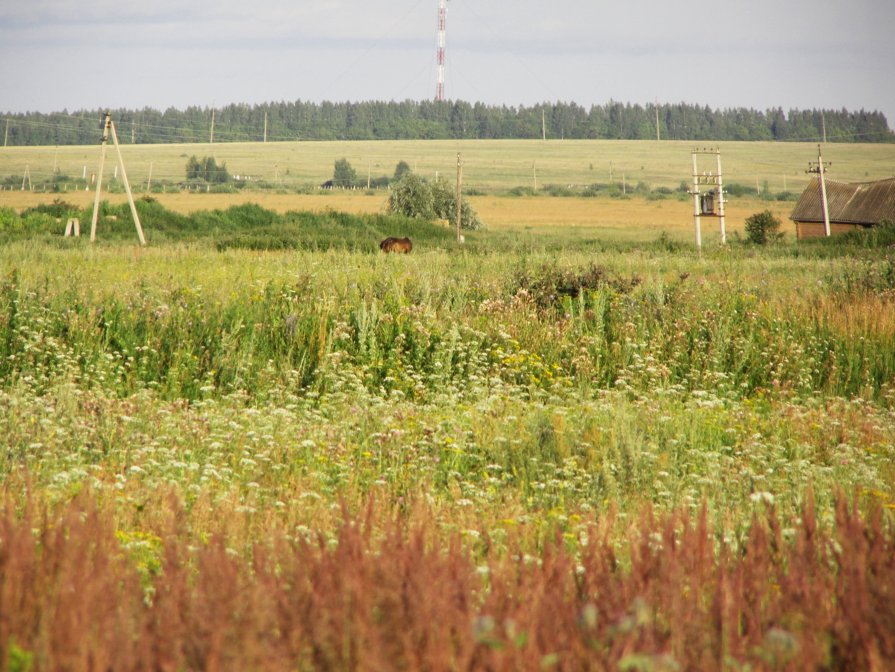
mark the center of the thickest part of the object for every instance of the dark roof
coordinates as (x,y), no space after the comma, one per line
(848,202)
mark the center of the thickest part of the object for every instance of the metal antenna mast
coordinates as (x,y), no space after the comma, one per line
(442,20)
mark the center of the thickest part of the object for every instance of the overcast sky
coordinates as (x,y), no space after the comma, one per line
(60,54)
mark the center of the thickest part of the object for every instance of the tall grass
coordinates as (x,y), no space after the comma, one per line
(677,597)
(331,432)
(405,328)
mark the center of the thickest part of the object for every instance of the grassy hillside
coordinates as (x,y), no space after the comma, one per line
(490,166)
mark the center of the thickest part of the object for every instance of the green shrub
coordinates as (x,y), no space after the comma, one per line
(550,285)
(734,189)
(41,222)
(762,227)
(786,196)
(58,208)
(207,170)
(521,191)
(414,197)
(558,190)
(8,219)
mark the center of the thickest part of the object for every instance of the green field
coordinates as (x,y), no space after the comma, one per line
(547,448)
(490,166)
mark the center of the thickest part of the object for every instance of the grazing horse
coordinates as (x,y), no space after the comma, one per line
(402,245)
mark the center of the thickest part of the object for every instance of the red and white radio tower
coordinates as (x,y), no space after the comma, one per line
(442,19)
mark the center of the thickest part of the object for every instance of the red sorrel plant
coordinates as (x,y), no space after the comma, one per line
(385,593)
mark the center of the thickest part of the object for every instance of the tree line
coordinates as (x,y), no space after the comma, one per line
(420,120)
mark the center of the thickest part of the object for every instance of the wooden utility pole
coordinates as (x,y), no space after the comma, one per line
(819,170)
(823,125)
(543,127)
(107,122)
(127,186)
(6,133)
(534,174)
(149,181)
(109,130)
(27,177)
(657,124)
(211,136)
(265,127)
(459,194)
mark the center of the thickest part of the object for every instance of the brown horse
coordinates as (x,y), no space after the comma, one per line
(402,245)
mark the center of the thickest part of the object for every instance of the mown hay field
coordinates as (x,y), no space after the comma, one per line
(614,454)
(496,165)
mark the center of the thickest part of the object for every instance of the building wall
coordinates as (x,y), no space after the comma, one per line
(816,229)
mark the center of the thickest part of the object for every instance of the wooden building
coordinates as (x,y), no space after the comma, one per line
(852,205)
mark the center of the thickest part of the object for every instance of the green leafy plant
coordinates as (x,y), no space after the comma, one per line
(762,228)
(207,170)
(344,174)
(415,197)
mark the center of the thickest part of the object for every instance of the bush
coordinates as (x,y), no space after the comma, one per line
(558,190)
(521,191)
(734,189)
(762,227)
(414,197)
(8,219)
(58,208)
(787,196)
(550,285)
(596,189)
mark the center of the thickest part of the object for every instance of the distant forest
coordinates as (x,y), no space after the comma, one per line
(419,120)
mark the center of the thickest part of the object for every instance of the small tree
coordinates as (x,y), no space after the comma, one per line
(762,227)
(343,174)
(413,196)
(401,169)
(193,168)
(207,170)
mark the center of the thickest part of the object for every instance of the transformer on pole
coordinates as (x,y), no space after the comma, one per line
(708,203)
(442,21)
